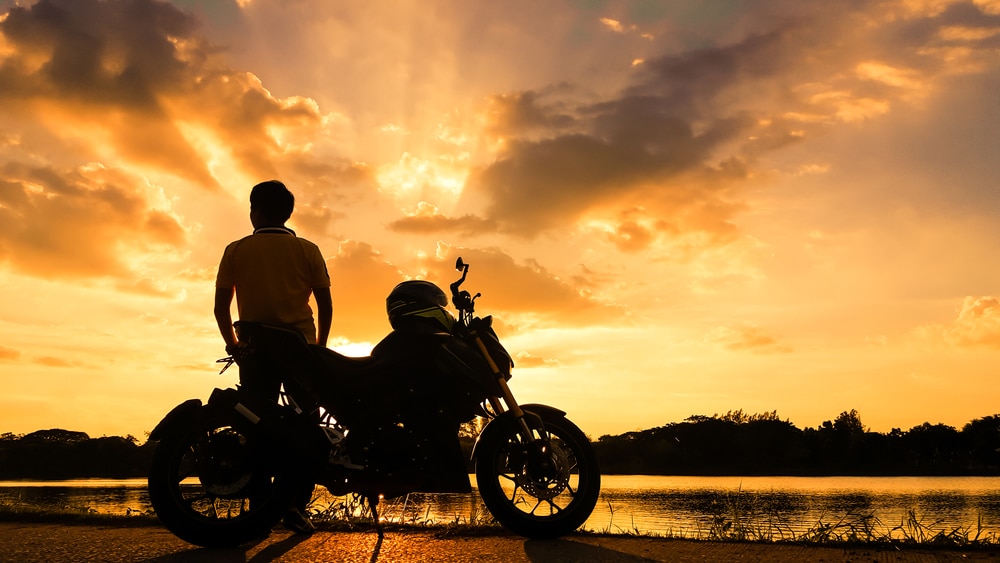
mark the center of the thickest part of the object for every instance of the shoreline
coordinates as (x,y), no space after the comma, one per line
(125,542)
(466,531)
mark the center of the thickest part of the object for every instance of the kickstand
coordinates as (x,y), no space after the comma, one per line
(373,506)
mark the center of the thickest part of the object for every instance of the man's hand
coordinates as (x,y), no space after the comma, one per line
(238,350)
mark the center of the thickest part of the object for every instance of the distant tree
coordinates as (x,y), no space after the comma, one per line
(981,438)
(737,443)
(56,436)
(736,417)
(65,454)
(849,422)
(740,417)
(934,448)
(698,418)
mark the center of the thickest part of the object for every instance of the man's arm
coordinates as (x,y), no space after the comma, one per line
(223,316)
(324,314)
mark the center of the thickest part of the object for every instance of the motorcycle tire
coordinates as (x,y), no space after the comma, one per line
(541,489)
(216,481)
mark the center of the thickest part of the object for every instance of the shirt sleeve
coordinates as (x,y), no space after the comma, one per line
(226,278)
(320,273)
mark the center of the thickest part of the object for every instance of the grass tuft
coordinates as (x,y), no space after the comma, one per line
(82,515)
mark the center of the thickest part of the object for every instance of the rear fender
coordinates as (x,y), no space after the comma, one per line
(185,410)
(507,422)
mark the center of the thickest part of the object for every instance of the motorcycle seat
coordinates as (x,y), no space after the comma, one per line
(347,367)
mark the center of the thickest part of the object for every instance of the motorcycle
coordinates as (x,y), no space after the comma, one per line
(379,427)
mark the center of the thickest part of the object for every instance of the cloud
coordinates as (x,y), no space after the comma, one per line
(137,80)
(746,338)
(86,222)
(52,361)
(528,360)
(682,139)
(527,289)
(520,113)
(361,280)
(978,323)
(427,219)
(625,151)
(7,353)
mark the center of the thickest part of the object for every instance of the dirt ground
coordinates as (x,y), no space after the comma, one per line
(29,543)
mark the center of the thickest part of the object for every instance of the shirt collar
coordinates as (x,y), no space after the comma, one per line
(274,231)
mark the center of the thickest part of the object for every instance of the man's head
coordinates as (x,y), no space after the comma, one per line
(271,204)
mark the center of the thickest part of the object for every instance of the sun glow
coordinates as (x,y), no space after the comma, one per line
(217,157)
(413,178)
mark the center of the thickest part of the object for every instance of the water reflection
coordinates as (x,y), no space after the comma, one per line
(784,506)
(106,496)
(690,506)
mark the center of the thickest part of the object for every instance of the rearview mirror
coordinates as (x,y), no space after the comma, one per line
(459,264)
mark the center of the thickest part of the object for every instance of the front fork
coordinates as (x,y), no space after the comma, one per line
(505,393)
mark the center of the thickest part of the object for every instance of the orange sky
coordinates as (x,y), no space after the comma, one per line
(672,208)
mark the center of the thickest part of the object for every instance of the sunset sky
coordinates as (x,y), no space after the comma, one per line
(671,207)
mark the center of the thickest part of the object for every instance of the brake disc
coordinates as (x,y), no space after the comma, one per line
(546,474)
(223,467)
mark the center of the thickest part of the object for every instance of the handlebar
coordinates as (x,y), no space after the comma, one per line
(464,301)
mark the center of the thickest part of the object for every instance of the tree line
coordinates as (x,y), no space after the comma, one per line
(65,454)
(737,443)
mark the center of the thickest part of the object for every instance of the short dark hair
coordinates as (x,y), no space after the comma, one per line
(273,199)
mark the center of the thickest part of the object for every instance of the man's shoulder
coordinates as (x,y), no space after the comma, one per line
(306,243)
(232,246)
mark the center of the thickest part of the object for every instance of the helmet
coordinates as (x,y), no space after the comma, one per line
(418,305)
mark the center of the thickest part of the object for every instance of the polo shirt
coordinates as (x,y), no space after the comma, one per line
(274,273)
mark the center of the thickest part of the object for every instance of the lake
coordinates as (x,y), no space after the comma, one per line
(677,505)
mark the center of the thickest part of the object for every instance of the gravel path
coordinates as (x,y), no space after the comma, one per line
(29,543)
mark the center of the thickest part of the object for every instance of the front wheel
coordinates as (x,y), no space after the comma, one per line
(216,481)
(543,488)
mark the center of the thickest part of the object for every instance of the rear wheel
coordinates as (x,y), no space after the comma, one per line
(216,481)
(542,488)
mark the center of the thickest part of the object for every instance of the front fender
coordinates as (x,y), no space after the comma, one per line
(182,411)
(507,422)
(542,409)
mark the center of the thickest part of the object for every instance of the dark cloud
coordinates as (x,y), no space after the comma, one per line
(113,52)
(466,225)
(130,71)
(651,146)
(692,125)
(656,144)
(520,113)
(78,223)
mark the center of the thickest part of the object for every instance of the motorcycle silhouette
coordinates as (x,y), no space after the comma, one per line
(225,472)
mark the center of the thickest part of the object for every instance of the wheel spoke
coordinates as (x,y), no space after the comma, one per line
(191,500)
(513,494)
